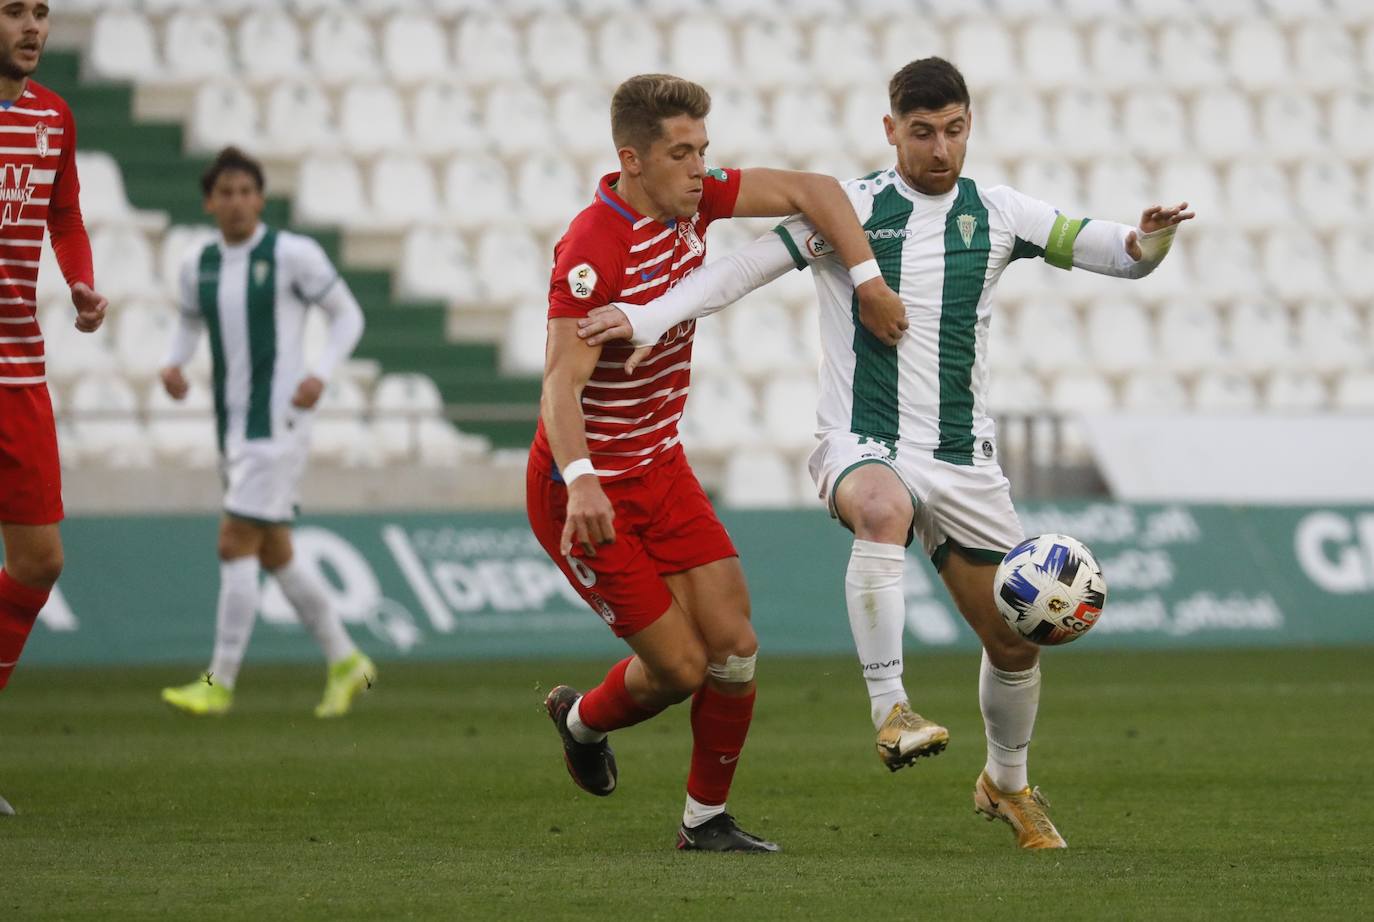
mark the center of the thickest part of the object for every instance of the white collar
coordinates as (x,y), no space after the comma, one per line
(253,240)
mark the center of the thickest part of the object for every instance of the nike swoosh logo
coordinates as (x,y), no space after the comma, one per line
(645,276)
(726,760)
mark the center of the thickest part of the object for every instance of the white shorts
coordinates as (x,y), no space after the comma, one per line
(957,505)
(262,477)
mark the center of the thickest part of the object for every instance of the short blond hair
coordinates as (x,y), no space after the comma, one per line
(641,103)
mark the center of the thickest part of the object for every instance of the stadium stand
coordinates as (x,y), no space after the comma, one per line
(438,147)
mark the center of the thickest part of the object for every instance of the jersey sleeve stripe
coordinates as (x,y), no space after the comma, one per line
(791,245)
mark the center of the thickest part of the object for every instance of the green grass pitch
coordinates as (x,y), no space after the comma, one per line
(1216,785)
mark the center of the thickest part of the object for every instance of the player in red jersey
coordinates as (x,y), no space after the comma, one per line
(609,493)
(38,189)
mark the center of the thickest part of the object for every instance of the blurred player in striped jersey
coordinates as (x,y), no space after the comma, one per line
(38,189)
(250,289)
(609,493)
(907,450)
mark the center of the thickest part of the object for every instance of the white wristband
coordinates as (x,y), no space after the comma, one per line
(865,271)
(576,469)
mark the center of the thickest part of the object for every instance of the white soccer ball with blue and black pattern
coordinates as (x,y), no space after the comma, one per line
(1050,589)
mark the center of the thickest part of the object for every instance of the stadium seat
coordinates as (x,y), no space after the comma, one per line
(1189,54)
(843,55)
(195,47)
(1350,12)
(1291,124)
(1249,211)
(478,193)
(1223,124)
(142,335)
(721,414)
(549,193)
(1086,125)
(435,263)
(1225,392)
(1325,58)
(1261,336)
(1074,392)
(758,478)
(104,413)
(403,192)
(1331,337)
(1190,338)
(1118,189)
(224,113)
(1352,255)
(1052,54)
(1191,181)
(270,48)
(1015,393)
(439,443)
(1050,336)
(1232,267)
(579,115)
(1295,392)
(299,119)
(1014,123)
(102,189)
(1352,122)
(522,348)
(1051,180)
(517,119)
(740,129)
(984,51)
(1257,56)
(70,353)
(789,411)
(771,54)
(123,262)
(1154,123)
(1119,55)
(177,246)
(414,50)
(184,431)
(122,47)
(702,48)
(761,335)
(904,36)
(329,191)
(628,45)
(338,433)
(372,119)
(512,265)
(342,49)
(1295,265)
(1153,391)
(806,119)
(445,121)
(1355,392)
(487,50)
(400,403)
(1120,337)
(559,50)
(1328,196)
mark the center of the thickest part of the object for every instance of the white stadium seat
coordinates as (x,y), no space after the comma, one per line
(177,244)
(104,412)
(1050,336)
(985,52)
(906,36)
(338,433)
(1223,124)
(1352,122)
(1154,124)
(789,411)
(522,348)
(517,119)
(414,50)
(702,48)
(1291,124)
(1120,337)
(1051,180)
(1118,189)
(721,415)
(403,192)
(1261,336)
(1153,391)
(1012,122)
(487,50)
(1229,265)
(1352,255)
(1250,211)
(122,47)
(1331,336)
(806,118)
(196,47)
(1225,392)
(1355,391)
(372,119)
(71,353)
(1325,58)
(1295,265)
(299,119)
(1052,54)
(1191,181)
(1120,55)
(223,113)
(1327,195)
(1190,337)
(435,263)
(512,265)
(342,48)
(1295,392)
(123,262)
(559,49)
(329,190)
(1257,55)
(771,53)
(843,54)
(762,339)
(102,189)
(628,45)
(758,479)
(549,192)
(740,128)
(1189,55)
(478,193)
(445,121)
(184,431)
(1015,394)
(142,336)
(1086,125)
(400,403)
(579,114)
(270,47)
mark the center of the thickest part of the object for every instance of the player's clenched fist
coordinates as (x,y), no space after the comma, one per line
(90,307)
(174,382)
(881,311)
(590,520)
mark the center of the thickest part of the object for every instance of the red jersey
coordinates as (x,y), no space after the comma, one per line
(611,253)
(38,189)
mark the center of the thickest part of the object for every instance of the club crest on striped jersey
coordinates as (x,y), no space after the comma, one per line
(967,225)
(16,188)
(687,230)
(40,138)
(260,269)
(582,280)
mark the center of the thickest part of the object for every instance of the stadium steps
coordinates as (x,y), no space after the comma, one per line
(403,336)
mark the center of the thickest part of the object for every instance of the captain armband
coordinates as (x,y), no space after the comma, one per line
(1059,248)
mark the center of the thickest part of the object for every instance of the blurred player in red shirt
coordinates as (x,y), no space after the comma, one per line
(609,493)
(38,189)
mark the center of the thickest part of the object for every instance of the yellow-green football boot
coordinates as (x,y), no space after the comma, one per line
(202,698)
(346,679)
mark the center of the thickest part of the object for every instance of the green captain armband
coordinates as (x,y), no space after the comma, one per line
(1059,248)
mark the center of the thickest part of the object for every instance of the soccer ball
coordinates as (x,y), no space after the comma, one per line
(1050,589)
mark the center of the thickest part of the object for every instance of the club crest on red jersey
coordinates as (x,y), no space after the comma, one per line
(687,230)
(40,138)
(16,188)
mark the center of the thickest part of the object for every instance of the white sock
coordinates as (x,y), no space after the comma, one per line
(307,596)
(696,812)
(877,617)
(580,731)
(234,618)
(1009,701)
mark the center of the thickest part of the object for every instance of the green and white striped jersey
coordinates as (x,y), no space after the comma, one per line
(252,298)
(943,256)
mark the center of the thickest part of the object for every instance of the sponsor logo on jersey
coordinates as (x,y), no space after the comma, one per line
(687,230)
(582,280)
(40,139)
(717,174)
(16,188)
(889,233)
(967,225)
(818,246)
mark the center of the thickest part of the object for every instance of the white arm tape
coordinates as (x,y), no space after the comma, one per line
(576,469)
(738,669)
(865,271)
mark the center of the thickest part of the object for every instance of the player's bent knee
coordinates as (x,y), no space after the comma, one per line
(880,518)
(735,669)
(682,677)
(39,568)
(1012,654)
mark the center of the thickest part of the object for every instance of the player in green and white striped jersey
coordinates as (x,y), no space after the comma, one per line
(250,288)
(907,449)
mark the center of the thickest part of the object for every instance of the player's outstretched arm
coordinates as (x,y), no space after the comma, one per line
(1115,249)
(821,199)
(568,365)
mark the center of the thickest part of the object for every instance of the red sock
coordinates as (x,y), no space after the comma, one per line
(720,724)
(609,706)
(19,608)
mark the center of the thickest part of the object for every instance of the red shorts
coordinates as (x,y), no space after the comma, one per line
(663,524)
(30,476)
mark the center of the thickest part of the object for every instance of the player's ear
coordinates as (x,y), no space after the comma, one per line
(630,162)
(890,128)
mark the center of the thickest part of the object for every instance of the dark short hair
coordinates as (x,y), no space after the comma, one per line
(930,83)
(230,160)
(641,103)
